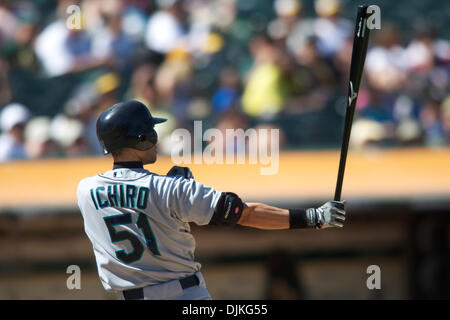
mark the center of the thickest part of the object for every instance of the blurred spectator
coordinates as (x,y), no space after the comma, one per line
(312,80)
(13,119)
(430,118)
(95,12)
(375,122)
(386,63)
(63,50)
(19,26)
(101,15)
(83,106)
(39,143)
(142,85)
(9,24)
(366,133)
(112,42)
(106,86)
(232,119)
(88,101)
(68,133)
(165,28)
(419,54)
(429,75)
(331,29)
(288,14)
(174,86)
(446,117)
(227,94)
(51,48)
(409,132)
(264,93)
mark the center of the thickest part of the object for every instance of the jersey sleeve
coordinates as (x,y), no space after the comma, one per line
(80,190)
(190,200)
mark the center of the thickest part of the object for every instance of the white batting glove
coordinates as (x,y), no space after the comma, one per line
(329,215)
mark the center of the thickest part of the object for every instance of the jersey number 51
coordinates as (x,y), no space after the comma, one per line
(138,248)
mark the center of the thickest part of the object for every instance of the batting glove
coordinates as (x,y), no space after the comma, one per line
(329,215)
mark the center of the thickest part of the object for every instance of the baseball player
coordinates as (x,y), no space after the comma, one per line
(138,221)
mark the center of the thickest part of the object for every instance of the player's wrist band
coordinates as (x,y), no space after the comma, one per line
(302,218)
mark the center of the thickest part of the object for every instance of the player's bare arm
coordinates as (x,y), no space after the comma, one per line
(262,216)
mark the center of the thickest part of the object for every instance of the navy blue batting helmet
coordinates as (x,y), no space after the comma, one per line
(127,124)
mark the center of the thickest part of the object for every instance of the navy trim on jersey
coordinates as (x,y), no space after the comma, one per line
(128,164)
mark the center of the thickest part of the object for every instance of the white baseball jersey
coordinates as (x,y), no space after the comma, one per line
(138,223)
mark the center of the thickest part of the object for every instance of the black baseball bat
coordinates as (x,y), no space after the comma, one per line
(360,42)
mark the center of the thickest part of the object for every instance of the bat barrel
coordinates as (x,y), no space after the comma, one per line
(360,43)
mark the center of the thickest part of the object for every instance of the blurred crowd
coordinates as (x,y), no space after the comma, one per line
(231,63)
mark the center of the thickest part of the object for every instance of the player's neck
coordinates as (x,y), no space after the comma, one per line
(126,156)
(127,160)
(128,164)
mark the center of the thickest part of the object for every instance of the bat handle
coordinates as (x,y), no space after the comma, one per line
(340,180)
(344,149)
